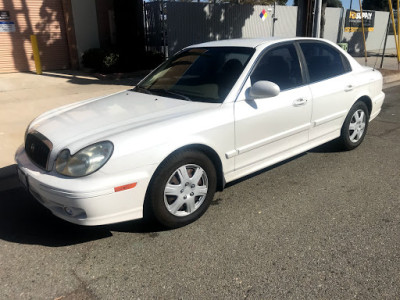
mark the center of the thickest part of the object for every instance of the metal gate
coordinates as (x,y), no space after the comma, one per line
(155,18)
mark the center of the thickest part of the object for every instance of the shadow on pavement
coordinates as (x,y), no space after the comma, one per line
(330,147)
(277,165)
(23,220)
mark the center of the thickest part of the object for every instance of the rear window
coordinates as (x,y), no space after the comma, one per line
(323,61)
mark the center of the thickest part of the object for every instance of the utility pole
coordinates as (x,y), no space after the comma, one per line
(304,18)
(274,19)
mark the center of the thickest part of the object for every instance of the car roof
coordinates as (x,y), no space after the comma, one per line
(247,42)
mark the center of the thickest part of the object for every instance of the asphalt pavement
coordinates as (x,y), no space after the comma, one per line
(323,225)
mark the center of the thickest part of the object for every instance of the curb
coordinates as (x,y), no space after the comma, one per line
(391,78)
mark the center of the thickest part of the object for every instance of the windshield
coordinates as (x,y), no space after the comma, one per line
(198,74)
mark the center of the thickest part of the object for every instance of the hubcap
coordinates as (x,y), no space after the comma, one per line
(357,126)
(186,190)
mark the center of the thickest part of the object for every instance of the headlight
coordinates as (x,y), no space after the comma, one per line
(85,161)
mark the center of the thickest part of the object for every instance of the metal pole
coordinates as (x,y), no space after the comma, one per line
(163,30)
(273,20)
(384,45)
(36,55)
(317,18)
(398,32)
(351,5)
(341,25)
(396,38)
(362,27)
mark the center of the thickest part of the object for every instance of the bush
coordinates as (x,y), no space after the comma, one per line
(101,60)
(110,61)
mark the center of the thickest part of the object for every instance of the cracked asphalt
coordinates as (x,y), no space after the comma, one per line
(323,225)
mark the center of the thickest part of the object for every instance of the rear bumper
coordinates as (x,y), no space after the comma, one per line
(90,200)
(377,103)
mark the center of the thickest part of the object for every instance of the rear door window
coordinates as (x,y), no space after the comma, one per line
(323,61)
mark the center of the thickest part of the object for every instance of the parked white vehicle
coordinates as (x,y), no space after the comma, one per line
(211,114)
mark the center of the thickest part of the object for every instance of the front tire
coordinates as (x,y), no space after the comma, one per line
(182,188)
(355,126)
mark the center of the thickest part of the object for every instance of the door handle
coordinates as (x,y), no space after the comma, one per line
(300,102)
(348,88)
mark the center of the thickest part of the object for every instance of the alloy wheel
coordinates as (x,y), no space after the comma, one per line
(186,190)
(357,126)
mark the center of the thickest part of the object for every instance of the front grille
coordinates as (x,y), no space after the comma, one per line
(38,148)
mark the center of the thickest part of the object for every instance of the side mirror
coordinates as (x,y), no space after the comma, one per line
(264,89)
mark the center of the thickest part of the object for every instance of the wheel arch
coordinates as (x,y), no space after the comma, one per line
(206,150)
(345,140)
(368,102)
(209,152)
(212,155)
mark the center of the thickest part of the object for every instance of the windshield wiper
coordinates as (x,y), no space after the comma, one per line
(184,97)
(141,90)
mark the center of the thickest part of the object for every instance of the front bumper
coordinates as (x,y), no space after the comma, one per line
(90,200)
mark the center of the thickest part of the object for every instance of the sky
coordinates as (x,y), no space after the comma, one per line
(346,4)
(355,5)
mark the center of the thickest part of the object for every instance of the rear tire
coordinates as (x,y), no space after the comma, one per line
(355,126)
(181,189)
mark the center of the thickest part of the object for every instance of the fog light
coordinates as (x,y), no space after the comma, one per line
(68,210)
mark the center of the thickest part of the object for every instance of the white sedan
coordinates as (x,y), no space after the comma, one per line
(211,114)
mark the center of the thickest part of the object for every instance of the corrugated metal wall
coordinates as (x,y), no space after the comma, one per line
(285,26)
(191,23)
(46,20)
(332,23)
(154,26)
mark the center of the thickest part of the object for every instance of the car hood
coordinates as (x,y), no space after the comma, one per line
(96,119)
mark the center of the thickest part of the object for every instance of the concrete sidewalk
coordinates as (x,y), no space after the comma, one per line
(24,96)
(390,67)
